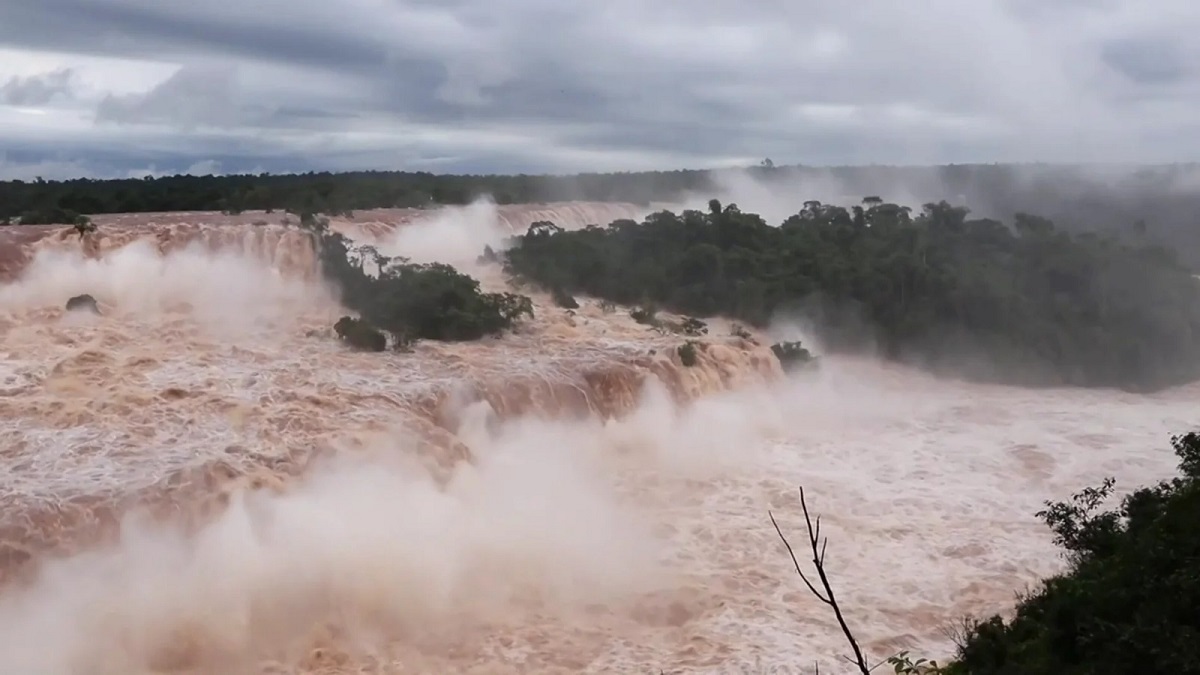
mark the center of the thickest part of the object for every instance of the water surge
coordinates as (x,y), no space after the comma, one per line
(202,480)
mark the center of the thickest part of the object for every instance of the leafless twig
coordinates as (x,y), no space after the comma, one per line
(817,545)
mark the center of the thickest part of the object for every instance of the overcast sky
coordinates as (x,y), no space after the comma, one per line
(136,87)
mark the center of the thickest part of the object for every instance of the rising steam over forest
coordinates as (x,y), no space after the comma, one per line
(1032,276)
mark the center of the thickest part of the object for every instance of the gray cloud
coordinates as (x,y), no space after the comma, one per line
(35,90)
(1147,60)
(541,85)
(192,97)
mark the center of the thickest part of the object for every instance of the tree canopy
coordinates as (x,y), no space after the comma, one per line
(1027,304)
(409,301)
(43,201)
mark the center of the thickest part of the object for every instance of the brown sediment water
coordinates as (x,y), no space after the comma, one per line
(202,480)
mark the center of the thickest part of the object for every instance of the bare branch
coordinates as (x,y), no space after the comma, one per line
(817,545)
(794,561)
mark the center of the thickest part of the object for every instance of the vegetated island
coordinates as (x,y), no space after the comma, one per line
(400,302)
(1028,305)
(407,301)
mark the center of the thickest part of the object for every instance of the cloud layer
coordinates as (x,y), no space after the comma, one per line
(129,87)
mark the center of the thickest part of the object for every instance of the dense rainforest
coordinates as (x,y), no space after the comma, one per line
(1029,304)
(1159,203)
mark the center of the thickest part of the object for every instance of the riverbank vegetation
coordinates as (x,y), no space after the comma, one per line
(1128,601)
(1125,604)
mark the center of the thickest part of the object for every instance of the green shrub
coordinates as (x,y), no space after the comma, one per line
(792,355)
(410,301)
(360,334)
(687,353)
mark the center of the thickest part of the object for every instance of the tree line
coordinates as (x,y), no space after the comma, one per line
(58,202)
(1027,304)
(1155,203)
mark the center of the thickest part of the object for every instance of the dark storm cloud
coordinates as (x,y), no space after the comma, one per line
(463,84)
(154,30)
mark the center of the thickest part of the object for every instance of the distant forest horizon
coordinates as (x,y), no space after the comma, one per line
(1160,203)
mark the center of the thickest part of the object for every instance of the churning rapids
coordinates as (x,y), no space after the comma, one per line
(201,480)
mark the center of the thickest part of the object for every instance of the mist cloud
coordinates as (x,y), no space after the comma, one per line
(529,85)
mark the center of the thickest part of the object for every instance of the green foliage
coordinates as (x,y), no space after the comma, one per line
(903,664)
(687,353)
(336,194)
(83,225)
(360,334)
(49,215)
(1128,602)
(792,355)
(1028,304)
(410,301)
